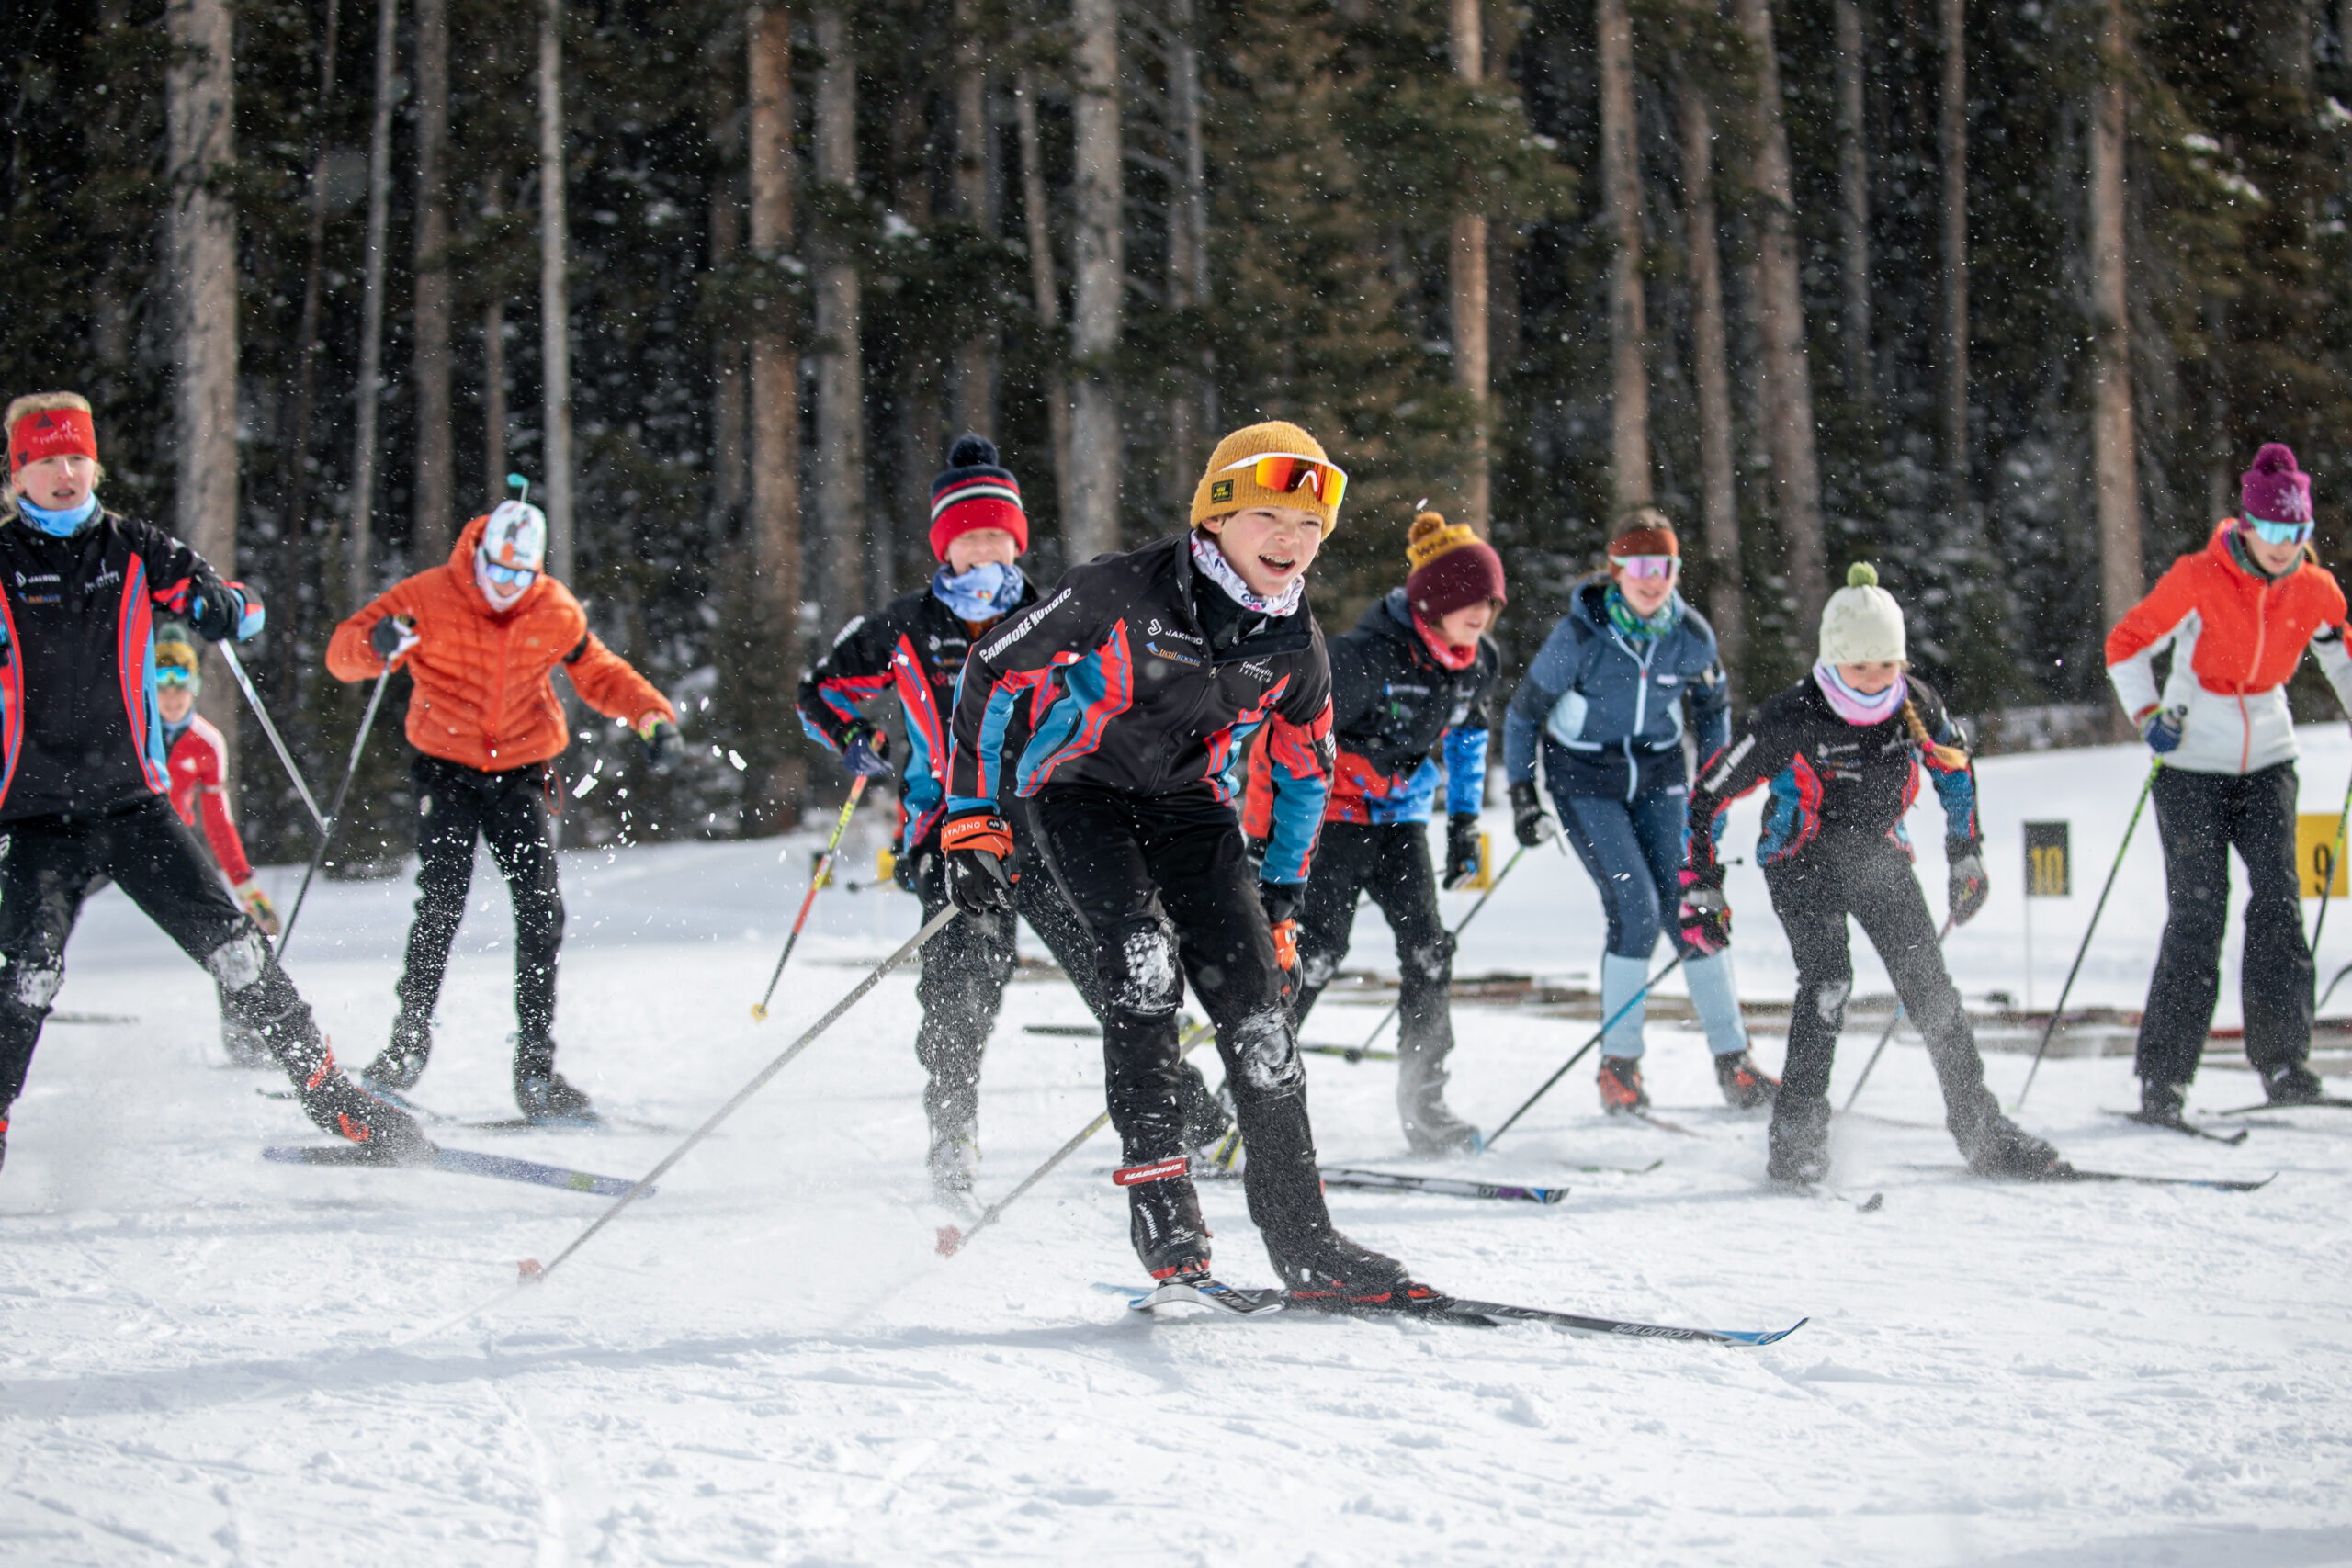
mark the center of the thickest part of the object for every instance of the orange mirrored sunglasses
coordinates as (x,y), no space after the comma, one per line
(1283,472)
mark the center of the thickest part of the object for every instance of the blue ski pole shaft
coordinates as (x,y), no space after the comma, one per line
(2081,953)
(1597,1035)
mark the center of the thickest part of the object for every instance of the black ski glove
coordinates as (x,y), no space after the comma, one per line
(978,846)
(1464,854)
(1282,901)
(1527,819)
(664,747)
(392,637)
(864,749)
(1969,887)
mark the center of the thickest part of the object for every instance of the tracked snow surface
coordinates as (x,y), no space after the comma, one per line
(208,1358)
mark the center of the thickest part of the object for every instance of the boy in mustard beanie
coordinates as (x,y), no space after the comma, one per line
(1143,676)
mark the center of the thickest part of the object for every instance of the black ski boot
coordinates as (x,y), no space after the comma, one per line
(1622,1093)
(1205,1118)
(399,1065)
(1799,1137)
(2292,1083)
(1743,1082)
(1164,1218)
(1430,1126)
(245,1046)
(335,1104)
(2161,1104)
(1997,1147)
(1333,1274)
(540,1092)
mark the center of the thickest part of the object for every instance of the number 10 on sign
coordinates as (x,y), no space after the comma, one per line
(2048,873)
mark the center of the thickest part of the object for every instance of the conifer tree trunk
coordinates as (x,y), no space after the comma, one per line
(1099,263)
(555,296)
(359,563)
(775,387)
(838,474)
(1854,193)
(200,152)
(494,362)
(1629,403)
(1951,136)
(727,390)
(1048,300)
(976,359)
(1710,369)
(294,558)
(2114,454)
(1466,292)
(1779,320)
(1187,244)
(435,497)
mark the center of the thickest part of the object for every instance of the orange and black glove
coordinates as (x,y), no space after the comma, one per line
(1282,901)
(977,848)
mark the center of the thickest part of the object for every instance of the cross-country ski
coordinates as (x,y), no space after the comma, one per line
(464,1162)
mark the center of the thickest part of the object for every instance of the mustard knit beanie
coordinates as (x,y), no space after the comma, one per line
(1225,489)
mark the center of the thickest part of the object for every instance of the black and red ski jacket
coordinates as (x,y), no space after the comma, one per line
(1121,686)
(912,648)
(78,727)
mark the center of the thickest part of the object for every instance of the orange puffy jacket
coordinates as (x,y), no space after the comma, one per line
(483,697)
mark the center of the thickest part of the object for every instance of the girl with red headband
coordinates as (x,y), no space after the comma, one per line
(85,784)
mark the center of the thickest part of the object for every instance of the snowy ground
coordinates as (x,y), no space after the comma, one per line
(207,1358)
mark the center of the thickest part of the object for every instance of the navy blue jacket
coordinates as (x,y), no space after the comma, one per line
(1613,706)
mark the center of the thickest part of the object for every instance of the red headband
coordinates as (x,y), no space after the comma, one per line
(51,433)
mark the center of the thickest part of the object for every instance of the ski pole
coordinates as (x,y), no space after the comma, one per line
(1606,1025)
(2331,987)
(246,684)
(2328,882)
(952,1240)
(334,812)
(1398,1006)
(531,1268)
(2051,1027)
(817,880)
(1886,1034)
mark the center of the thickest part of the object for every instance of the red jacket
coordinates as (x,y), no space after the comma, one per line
(197,783)
(484,697)
(2236,638)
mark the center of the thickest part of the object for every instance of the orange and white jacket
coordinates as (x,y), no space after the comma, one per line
(2235,638)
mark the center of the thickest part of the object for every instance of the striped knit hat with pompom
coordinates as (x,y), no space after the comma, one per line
(1453,568)
(973,493)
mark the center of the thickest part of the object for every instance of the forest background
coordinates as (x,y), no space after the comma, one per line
(1999,296)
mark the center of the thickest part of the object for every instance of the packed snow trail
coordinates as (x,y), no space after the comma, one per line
(202,1356)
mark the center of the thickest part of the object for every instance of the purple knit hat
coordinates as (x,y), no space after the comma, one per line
(2273,490)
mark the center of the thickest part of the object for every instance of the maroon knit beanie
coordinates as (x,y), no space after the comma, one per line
(2273,490)
(1452,568)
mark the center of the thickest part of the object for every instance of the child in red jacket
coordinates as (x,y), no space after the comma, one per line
(195,754)
(2237,616)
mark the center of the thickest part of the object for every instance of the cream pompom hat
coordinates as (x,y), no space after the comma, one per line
(1861,624)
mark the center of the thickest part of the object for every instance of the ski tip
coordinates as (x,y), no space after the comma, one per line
(950,1241)
(1758,1341)
(529,1272)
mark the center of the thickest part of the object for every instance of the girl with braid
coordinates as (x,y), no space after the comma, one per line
(1841,752)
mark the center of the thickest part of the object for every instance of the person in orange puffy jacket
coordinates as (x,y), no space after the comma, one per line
(2237,616)
(481,637)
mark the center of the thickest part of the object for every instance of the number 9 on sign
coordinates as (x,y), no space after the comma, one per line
(2317,860)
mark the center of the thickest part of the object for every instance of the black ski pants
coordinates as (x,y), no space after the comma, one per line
(455,806)
(48,866)
(1391,862)
(2200,817)
(1163,885)
(1869,877)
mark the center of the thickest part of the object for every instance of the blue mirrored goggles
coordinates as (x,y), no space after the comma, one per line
(2279,533)
(174,675)
(508,576)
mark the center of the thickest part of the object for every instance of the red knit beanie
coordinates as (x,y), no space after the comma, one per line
(1452,568)
(974,492)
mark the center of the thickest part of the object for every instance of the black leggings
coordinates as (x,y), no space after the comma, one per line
(48,867)
(455,806)
(1390,861)
(1162,885)
(1869,877)
(2200,817)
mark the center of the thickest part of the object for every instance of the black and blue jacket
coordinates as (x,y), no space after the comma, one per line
(1614,704)
(1392,705)
(914,649)
(1831,779)
(1136,675)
